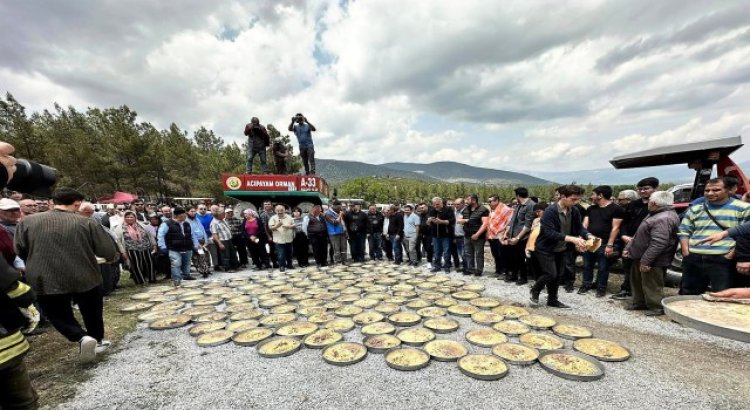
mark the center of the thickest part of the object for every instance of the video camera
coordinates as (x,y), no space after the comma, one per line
(30,178)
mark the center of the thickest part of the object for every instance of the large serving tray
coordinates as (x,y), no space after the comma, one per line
(701,325)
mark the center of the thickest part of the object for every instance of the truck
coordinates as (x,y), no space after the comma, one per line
(303,191)
(701,157)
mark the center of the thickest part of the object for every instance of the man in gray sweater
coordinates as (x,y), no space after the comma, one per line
(651,251)
(60,248)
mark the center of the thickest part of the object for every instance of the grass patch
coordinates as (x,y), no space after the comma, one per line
(53,361)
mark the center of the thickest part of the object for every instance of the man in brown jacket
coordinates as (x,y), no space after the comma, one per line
(651,251)
(60,248)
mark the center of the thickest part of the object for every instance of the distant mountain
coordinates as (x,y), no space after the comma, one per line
(336,172)
(462,173)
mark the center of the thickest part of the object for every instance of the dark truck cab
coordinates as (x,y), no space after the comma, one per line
(701,157)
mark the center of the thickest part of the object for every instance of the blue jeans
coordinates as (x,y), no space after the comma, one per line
(602,276)
(398,254)
(374,242)
(698,271)
(180,265)
(284,254)
(442,249)
(459,254)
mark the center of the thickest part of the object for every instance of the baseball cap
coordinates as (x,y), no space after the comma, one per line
(6,204)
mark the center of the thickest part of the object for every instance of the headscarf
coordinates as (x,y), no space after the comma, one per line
(249,212)
(133,231)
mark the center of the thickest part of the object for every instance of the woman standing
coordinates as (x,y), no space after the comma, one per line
(139,246)
(300,244)
(256,239)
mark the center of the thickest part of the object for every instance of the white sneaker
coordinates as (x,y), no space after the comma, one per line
(102,346)
(87,352)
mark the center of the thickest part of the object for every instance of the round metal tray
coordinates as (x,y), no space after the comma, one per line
(373,349)
(481,376)
(344,363)
(407,368)
(272,356)
(699,324)
(572,376)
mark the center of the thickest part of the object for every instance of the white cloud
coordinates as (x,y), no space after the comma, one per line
(520,86)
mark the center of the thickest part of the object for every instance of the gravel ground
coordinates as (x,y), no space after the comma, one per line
(672,367)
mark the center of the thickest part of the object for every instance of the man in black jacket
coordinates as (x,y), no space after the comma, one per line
(257,141)
(441,221)
(561,227)
(356,227)
(375,233)
(396,234)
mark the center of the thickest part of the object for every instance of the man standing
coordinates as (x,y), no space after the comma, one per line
(396,234)
(314,226)
(473,220)
(457,244)
(560,225)
(257,141)
(205,218)
(635,212)
(356,227)
(199,258)
(303,130)
(221,234)
(441,221)
(140,211)
(264,216)
(238,240)
(411,232)
(651,252)
(375,233)
(386,242)
(28,206)
(703,263)
(334,217)
(603,219)
(282,227)
(176,239)
(517,237)
(424,240)
(60,249)
(500,216)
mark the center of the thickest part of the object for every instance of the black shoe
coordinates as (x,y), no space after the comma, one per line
(447,271)
(534,297)
(478,274)
(622,295)
(466,272)
(507,279)
(583,289)
(282,269)
(188,277)
(600,293)
(521,282)
(557,304)
(635,307)
(435,270)
(654,312)
(569,288)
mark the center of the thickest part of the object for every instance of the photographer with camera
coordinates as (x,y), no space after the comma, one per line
(16,300)
(257,142)
(303,130)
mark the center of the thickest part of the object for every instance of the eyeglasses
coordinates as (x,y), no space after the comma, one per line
(645,188)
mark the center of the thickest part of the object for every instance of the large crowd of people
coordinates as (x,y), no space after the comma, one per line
(64,252)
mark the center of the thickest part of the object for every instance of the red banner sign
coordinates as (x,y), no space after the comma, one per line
(266,182)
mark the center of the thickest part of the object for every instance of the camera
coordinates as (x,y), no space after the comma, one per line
(33,178)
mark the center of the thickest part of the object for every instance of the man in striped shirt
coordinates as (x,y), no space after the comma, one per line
(707,263)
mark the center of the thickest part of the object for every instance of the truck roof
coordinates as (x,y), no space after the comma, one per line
(676,154)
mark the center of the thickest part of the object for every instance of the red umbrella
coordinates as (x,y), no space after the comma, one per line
(118,198)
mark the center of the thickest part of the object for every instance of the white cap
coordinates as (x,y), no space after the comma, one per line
(6,204)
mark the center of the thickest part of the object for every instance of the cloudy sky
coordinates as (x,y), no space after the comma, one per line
(522,85)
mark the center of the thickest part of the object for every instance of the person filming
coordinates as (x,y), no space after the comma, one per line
(303,130)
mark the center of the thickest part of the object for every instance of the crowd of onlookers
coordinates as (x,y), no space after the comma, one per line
(71,252)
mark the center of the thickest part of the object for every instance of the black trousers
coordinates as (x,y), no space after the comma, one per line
(319,244)
(497,255)
(424,247)
(300,246)
(110,277)
(258,253)
(240,244)
(59,311)
(516,259)
(16,391)
(272,254)
(552,266)
(388,248)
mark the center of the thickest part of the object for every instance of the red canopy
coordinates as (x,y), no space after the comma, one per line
(118,198)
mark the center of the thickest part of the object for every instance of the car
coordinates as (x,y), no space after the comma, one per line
(702,157)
